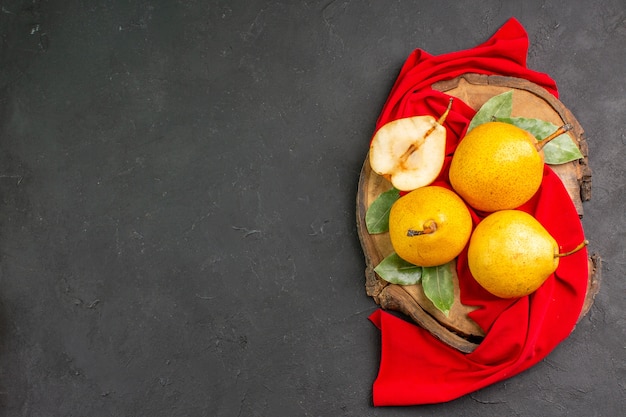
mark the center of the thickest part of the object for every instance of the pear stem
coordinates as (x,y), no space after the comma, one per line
(565,128)
(413,146)
(429,227)
(576,249)
(445,114)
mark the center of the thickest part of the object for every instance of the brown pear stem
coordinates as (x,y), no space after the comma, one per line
(565,128)
(429,227)
(413,146)
(576,249)
(445,114)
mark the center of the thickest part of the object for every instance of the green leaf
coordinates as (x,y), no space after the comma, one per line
(559,150)
(439,286)
(396,270)
(377,215)
(496,107)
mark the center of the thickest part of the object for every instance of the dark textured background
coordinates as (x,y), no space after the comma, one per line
(177,185)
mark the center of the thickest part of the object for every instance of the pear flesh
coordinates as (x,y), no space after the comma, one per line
(409,152)
(511,254)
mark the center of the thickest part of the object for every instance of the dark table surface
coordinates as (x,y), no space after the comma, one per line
(177,218)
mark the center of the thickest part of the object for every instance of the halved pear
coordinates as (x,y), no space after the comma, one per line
(410,152)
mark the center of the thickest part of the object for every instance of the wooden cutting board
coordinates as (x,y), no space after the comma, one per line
(457,329)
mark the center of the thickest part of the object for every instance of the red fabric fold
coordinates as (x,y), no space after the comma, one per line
(503,54)
(415,367)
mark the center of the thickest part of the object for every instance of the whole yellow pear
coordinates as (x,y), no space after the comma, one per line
(496,166)
(429,226)
(511,254)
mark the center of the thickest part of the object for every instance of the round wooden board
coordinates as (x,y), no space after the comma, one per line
(457,329)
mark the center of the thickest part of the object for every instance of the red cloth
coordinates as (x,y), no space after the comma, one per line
(415,367)
(503,54)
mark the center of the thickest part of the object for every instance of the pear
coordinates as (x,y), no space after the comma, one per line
(429,226)
(410,152)
(510,254)
(498,166)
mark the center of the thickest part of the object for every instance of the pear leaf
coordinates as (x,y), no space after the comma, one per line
(377,215)
(396,270)
(559,150)
(496,107)
(438,285)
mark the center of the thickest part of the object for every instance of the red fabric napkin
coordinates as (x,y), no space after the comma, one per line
(415,367)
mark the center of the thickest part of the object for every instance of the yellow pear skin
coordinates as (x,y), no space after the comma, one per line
(497,166)
(429,226)
(511,254)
